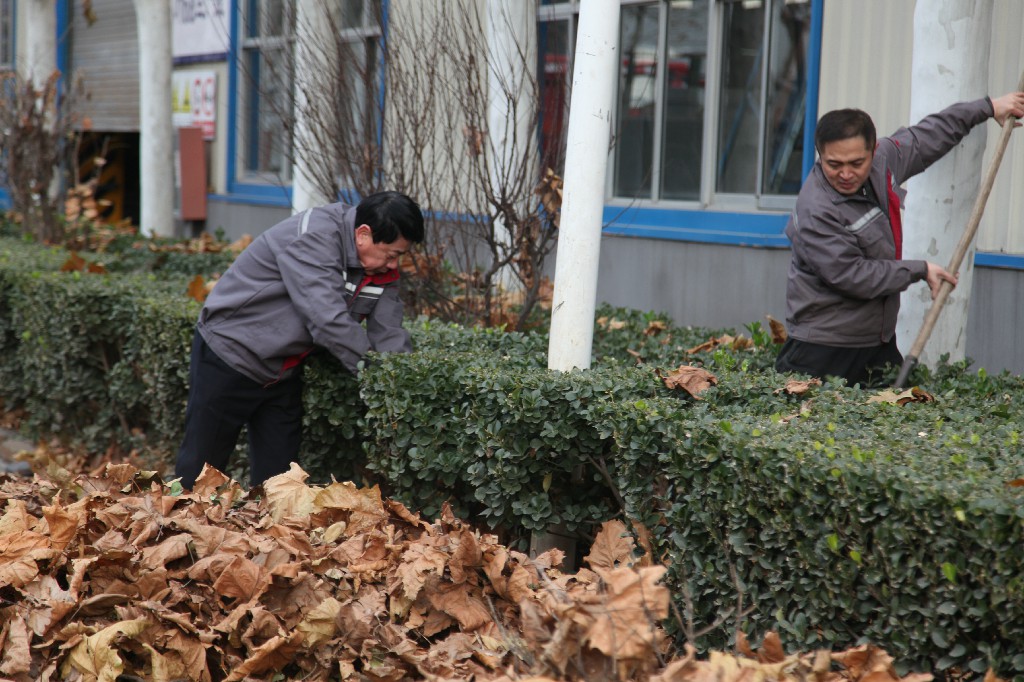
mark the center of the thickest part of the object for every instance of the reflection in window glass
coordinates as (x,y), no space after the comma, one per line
(757,112)
(555,55)
(634,139)
(739,109)
(786,98)
(684,100)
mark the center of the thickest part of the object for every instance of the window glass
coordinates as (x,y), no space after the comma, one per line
(6,34)
(739,111)
(684,87)
(786,98)
(635,132)
(266,89)
(358,95)
(555,56)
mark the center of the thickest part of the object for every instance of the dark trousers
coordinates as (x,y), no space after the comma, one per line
(864,366)
(221,401)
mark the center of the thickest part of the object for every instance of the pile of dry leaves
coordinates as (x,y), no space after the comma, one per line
(112,576)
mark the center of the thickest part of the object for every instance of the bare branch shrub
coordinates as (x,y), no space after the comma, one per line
(422,103)
(37,124)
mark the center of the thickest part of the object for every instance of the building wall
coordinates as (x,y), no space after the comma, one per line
(866,59)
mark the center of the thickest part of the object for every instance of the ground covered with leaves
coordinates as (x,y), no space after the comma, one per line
(115,575)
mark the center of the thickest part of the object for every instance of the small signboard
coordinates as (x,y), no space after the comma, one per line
(194,101)
(200,30)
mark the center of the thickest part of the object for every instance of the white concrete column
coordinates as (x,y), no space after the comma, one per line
(312,43)
(591,113)
(950,64)
(38,59)
(156,145)
(511,109)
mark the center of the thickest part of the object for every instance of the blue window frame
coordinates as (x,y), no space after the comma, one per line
(262,81)
(7,52)
(716,106)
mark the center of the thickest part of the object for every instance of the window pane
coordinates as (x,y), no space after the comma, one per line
(357,96)
(555,55)
(274,18)
(738,116)
(359,13)
(684,100)
(634,140)
(786,101)
(268,105)
(6,34)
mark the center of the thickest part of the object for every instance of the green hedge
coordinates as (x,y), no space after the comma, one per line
(835,520)
(839,521)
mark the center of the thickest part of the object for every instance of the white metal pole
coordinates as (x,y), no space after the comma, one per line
(940,200)
(156,148)
(591,112)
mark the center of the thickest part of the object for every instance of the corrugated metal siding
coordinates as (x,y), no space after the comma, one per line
(1002,227)
(865,60)
(106,55)
(866,63)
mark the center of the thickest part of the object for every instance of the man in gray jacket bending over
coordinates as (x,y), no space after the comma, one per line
(307,282)
(846,272)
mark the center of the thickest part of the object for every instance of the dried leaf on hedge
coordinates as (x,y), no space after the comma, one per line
(799,387)
(197,289)
(611,323)
(693,380)
(778,330)
(240,244)
(74,263)
(911,395)
(655,327)
(612,548)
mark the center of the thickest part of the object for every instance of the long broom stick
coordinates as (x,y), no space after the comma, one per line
(961,249)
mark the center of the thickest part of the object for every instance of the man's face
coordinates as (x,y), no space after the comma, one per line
(380,257)
(846,163)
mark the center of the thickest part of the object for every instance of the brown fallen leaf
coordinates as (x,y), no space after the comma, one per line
(798,387)
(693,380)
(197,289)
(655,327)
(911,395)
(778,330)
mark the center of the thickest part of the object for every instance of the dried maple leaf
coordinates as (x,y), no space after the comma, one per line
(625,627)
(798,387)
(911,395)
(693,380)
(612,548)
(778,330)
(655,327)
(74,263)
(197,289)
(240,244)
(288,495)
(706,346)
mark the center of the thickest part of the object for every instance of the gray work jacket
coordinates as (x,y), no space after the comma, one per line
(846,275)
(300,285)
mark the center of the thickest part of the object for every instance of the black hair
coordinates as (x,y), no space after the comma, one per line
(391,215)
(842,124)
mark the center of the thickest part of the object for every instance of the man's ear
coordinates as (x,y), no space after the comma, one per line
(364,230)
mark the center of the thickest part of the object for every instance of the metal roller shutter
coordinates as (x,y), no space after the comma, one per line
(106,55)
